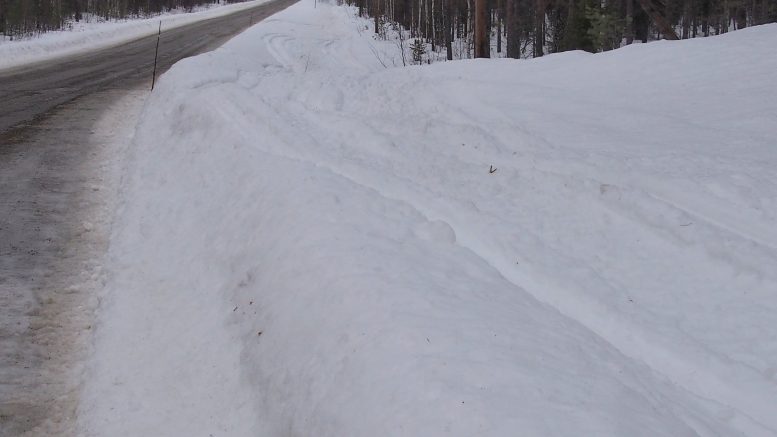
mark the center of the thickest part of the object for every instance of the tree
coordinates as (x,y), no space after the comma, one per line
(577,35)
(655,9)
(513,29)
(482,30)
(536,27)
(539,27)
(604,28)
(630,21)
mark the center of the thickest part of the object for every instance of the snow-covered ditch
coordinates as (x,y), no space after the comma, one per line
(312,244)
(88,36)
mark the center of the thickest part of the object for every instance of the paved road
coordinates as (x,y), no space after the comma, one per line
(63,125)
(27,93)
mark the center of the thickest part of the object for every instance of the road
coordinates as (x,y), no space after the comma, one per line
(27,93)
(63,127)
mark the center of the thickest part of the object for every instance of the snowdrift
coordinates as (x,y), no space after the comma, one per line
(312,244)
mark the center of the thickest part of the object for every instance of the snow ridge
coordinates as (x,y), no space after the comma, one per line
(313,244)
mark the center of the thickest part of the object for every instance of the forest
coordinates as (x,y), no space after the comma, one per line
(24,18)
(482,28)
(532,28)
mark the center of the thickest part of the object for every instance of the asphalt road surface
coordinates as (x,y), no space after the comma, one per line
(30,92)
(60,135)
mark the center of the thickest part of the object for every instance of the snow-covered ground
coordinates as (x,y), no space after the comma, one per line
(88,36)
(313,244)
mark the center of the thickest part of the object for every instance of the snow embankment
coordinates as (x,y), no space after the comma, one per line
(312,244)
(86,37)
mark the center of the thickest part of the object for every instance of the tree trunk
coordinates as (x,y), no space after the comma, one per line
(481,30)
(655,10)
(726,17)
(499,26)
(449,34)
(741,17)
(511,26)
(539,28)
(629,21)
(375,11)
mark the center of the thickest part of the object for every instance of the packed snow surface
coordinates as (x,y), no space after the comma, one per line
(88,36)
(313,244)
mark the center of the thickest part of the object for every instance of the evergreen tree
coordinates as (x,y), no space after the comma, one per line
(605,29)
(578,25)
(418,48)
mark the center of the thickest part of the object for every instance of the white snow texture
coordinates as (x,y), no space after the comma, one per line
(311,244)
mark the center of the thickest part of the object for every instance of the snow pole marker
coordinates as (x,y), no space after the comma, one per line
(156,55)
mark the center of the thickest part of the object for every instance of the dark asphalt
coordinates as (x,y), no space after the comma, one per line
(64,125)
(32,91)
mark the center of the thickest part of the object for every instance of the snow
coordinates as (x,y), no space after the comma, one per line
(313,244)
(94,35)
(49,297)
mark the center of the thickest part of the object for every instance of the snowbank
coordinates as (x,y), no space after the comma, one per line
(313,244)
(87,37)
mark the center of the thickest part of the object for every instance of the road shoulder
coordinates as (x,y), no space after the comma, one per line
(59,181)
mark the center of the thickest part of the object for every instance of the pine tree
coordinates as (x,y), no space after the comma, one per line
(418,49)
(576,35)
(604,28)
